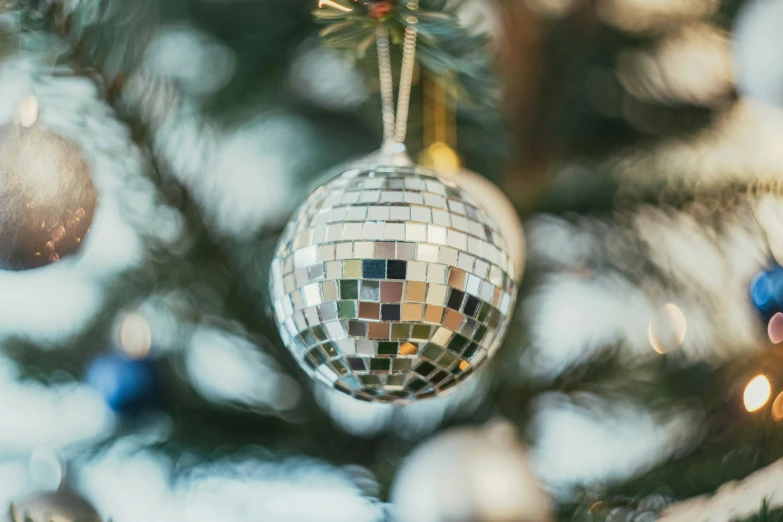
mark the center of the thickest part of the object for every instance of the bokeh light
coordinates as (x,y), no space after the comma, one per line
(757,393)
(135,336)
(667,328)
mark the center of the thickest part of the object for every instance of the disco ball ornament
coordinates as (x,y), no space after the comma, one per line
(47,199)
(392,284)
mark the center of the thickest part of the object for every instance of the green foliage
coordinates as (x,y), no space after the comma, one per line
(445,48)
(767,514)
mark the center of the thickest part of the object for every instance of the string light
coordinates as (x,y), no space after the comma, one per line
(757,393)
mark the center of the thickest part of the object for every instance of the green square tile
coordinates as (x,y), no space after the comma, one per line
(379,365)
(447,360)
(370,380)
(457,343)
(482,316)
(318,355)
(387,348)
(319,333)
(339,367)
(401,365)
(421,331)
(396,380)
(481,331)
(349,289)
(400,330)
(347,309)
(308,338)
(431,352)
(329,349)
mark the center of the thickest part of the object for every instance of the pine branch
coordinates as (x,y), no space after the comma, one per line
(445,48)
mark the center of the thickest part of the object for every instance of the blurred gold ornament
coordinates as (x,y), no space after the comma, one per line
(757,393)
(47,199)
(667,329)
(469,474)
(62,505)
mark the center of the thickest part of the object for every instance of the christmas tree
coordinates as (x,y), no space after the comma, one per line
(219,302)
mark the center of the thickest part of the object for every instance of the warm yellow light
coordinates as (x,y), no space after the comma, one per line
(777,408)
(331,3)
(757,393)
(135,335)
(442,158)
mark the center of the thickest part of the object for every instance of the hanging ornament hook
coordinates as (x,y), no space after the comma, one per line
(395,126)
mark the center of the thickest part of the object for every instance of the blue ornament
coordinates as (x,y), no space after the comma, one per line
(127,385)
(766,292)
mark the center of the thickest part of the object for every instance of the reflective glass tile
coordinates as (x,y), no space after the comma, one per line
(378,330)
(400,330)
(334,270)
(379,365)
(390,312)
(352,269)
(401,365)
(421,331)
(433,314)
(417,271)
(374,268)
(408,348)
(344,250)
(369,310)
(455,299)
(457,278)
(397,380)
(396,269)
(416,291)
(391,291)
(436,273)
(424,368)
(370,291)
(347,309)
(349,289)
(388,348)
(357,364)
(363,249)
(436,294)
(328,311)
(357,328)
(452,320)
(406,251)
(471,306)
(411,312)
(384,250)
(432,352)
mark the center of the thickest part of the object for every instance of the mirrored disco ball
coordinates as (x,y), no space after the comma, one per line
(391,284)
